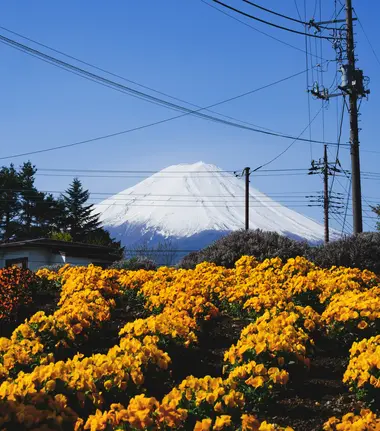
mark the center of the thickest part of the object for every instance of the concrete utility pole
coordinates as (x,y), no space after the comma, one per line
(247,173)
(354,128)
(326,203)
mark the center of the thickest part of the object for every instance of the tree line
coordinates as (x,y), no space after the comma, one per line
(27,213)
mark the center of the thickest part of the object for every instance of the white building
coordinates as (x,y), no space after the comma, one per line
(36,253)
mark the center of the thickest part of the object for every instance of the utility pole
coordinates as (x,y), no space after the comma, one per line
(354,128)
(331,202)
(354,86)
(247,173)
(326,204)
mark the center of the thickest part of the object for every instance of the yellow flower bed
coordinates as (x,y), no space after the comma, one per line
(274,339)
(256,381)
(79,393)
(247,423)
(83,305)
(37,411)
(354,311)
(205,396)
(88,378)
(340,280)
(363,371)
(366,420)
(142,413)
(170,324)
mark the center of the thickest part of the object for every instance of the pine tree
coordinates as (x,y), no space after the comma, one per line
(102,237)
(30,199)
(376,210)
(49,216)
(80,218)
(9,202)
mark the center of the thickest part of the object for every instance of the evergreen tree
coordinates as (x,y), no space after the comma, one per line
(80,218)
(49,216)
(102,237)
(376,210)
(9,202)
(30,201)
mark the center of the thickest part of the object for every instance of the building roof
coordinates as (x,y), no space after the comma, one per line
(55,246)
(53,243)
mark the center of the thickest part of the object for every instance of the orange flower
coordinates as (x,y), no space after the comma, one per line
(362,324)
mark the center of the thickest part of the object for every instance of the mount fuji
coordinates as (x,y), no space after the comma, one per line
(193,205)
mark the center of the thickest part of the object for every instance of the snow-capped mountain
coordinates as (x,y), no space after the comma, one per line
(194,204)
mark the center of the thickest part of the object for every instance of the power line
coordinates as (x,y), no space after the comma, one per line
(338,147)
(199,205)
(281,194)
(298,11)
(255,29)
(289,146)
(144,171)
(161,172)
(271,23)
(166,177)
(112,135)
(128,90)
(299,21)
(170,119)
(128,80)
(367,37)
(153,202)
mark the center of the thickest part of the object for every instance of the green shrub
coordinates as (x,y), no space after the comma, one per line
(135,263)
(227,250)
(360,251)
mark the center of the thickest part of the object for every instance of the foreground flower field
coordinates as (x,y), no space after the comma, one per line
(132,350)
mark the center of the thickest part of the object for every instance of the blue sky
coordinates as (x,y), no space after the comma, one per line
(186,49)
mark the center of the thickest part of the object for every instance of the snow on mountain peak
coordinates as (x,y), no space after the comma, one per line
(187,199)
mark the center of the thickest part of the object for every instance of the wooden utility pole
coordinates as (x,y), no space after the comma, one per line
(247,173)
(326,203)
(354,128)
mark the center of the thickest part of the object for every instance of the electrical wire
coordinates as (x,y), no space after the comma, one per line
(169,119)
(271,23)
(126,79)
(111,135)
(337,149)
(321,73)
(162,172)
(307,78)
(299,21)
(166,177)
(297,9)
(367,37)
(255,29)
(289,146)
(269,194)
(128,90)
(196,205)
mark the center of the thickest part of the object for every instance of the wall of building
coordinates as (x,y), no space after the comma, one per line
(57,258)
(38,257)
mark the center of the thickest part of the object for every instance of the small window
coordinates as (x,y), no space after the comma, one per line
(21,262)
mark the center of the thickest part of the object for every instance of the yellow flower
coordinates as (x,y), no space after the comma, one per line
(256,382)
(108,385)
(204,425)
(218,407)
(50,385)
(249,423)
(222,422)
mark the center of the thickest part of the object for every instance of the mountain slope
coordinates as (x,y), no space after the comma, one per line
(197,203)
